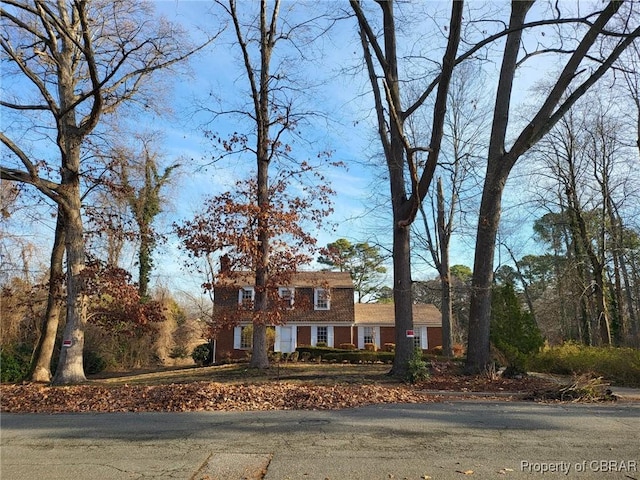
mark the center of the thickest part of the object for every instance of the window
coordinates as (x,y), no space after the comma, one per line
(322,335)
(321,299)
(246,338)
(369,335)
(286,294)
(246,296)
(243,337)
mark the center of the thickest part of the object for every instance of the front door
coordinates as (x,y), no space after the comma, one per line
(285,339)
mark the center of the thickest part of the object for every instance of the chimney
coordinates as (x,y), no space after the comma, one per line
(225,264)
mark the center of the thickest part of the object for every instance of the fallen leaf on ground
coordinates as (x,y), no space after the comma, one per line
(219,396)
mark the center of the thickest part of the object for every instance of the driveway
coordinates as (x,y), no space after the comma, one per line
(451,440)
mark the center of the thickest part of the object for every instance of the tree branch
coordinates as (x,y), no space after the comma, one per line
(546,118)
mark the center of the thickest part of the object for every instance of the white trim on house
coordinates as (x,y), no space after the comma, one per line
(424,340)
(237,337)
(420,339)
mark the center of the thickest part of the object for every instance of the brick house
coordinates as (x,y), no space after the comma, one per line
(319,309)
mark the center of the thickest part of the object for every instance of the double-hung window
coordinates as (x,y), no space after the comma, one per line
(243,337)
(369,335)
(246,338)
(286,294)
(246,295)
(322,335)
(321,299)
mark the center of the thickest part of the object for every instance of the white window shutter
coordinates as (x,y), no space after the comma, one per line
(424,342)
(314,335)
(330,336)
(276,343)
(376,336)
(237,337)
(361,338)
(294,338)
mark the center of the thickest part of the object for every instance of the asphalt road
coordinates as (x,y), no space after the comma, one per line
(453,440)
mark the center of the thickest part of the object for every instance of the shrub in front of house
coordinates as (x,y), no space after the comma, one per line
(340,355)
(202,354)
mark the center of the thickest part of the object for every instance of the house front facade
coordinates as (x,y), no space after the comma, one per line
(317,309)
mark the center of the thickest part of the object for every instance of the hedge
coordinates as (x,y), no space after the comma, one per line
(341,355)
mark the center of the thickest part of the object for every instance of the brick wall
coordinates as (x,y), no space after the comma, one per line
(341,306)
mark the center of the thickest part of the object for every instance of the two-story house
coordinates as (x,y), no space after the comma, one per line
(316,308)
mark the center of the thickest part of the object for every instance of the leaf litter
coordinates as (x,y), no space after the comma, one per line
(98,396)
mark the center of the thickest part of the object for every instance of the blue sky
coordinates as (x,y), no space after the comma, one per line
(349,138)
(350,134)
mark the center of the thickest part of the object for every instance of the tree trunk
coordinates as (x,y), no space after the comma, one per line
(445,276)
(70,368)
(41,364)
(403,304)
(144,260)
(260,352)
(499,164)
(259,355)
(478,348)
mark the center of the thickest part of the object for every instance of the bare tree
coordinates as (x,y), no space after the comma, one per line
(588,58)
(572,83)
(381,58)
(69,63)
(588,162)
(273,115)
(465,120)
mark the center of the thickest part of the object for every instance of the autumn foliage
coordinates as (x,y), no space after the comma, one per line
(115,302)
(230,224)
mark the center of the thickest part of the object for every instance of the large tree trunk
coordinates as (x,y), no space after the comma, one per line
(70,368)
(259,355)
(499,164)
(478,347)
(403,304)
(41,365)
